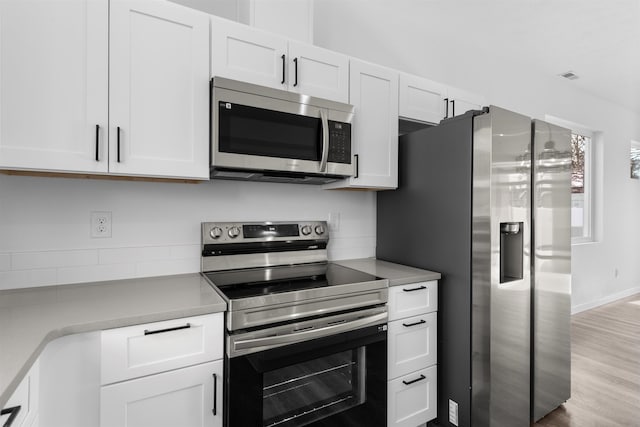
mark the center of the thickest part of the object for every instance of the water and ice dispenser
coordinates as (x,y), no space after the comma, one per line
(511,251)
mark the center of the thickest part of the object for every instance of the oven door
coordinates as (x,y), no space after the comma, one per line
(337,380)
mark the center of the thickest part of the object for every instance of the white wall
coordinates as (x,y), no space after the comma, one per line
(386,33)
(44,224)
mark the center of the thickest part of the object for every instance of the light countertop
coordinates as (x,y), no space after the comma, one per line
(32,317)
(397,274)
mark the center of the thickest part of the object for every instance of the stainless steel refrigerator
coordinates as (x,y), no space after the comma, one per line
(475,194)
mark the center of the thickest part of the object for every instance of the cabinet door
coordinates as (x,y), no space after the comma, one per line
(373,90)
(159,90)
(26,398)
(184,397)
(318,72)
(243,53)
(412,398)
(412,344)
(422,99)
(461,101)
(53,85)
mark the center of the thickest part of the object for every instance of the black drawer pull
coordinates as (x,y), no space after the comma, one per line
(159,331)
(97,143)
(118,143)
(414,289)
(215,395)
(415,323)
(422,377)
(14,413)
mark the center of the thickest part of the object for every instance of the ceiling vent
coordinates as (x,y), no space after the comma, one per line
(569,75)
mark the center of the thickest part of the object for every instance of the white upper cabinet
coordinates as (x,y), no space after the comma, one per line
(53,85)
(67,67)
(461,101)
(243,53)
(318,72)
(251,55)
(427,101)
(422,99)
(159,90)
(373,90)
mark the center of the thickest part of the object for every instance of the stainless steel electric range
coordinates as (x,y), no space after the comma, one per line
(305,338)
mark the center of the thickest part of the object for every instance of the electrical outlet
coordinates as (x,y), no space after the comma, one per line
(453,412)
(100,224)
(334,221)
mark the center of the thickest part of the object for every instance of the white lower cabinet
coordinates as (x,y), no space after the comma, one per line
(412,398)
(22,406)
(188,397)
(165,373)
(412,354)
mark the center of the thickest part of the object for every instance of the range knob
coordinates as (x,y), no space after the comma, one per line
(234,232)
(306,230)
(215,232)
(319,229)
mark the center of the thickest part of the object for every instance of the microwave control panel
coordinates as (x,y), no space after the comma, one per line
(339,142)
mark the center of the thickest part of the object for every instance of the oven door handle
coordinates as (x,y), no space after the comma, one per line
(305,335)
(325,141)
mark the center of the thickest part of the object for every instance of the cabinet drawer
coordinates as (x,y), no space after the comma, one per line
(412,398)
(139,350)
(413,299)
(412,344)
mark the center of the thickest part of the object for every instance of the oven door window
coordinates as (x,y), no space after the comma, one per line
(261,132)
(340,380)
(309,391)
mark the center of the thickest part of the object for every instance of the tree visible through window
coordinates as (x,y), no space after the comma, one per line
(580,188)
(635,159)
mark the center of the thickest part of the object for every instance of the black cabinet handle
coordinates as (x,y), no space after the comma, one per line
(415,323)
(160,331)
(419,288)
(215,395)
(422,377)
(97,143)
(283,66)
(118,142)
(446,108)
(357,161)
(453,107)
(295,63)
(14,413)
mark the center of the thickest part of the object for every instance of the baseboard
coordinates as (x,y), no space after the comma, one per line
(605,300)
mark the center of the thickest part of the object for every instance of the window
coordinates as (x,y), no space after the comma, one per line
(581,187)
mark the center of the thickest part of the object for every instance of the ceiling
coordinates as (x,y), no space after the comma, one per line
(598,40)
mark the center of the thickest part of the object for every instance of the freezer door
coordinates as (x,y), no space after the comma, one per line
(501,287)
(551,371)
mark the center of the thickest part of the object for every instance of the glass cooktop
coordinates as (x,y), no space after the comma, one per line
(254,282)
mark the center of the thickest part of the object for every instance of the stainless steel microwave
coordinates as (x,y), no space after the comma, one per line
(265,134)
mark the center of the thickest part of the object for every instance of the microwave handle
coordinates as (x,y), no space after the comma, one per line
(325,141)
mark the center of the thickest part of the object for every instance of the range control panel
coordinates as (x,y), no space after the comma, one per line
(238,232)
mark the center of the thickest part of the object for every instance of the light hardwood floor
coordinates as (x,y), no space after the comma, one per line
(605,371)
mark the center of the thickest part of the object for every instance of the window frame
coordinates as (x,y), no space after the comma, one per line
(590,166)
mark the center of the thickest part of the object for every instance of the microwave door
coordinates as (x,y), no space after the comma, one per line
(249,137)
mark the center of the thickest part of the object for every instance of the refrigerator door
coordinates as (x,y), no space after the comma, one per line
(551,371)
(501,287)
